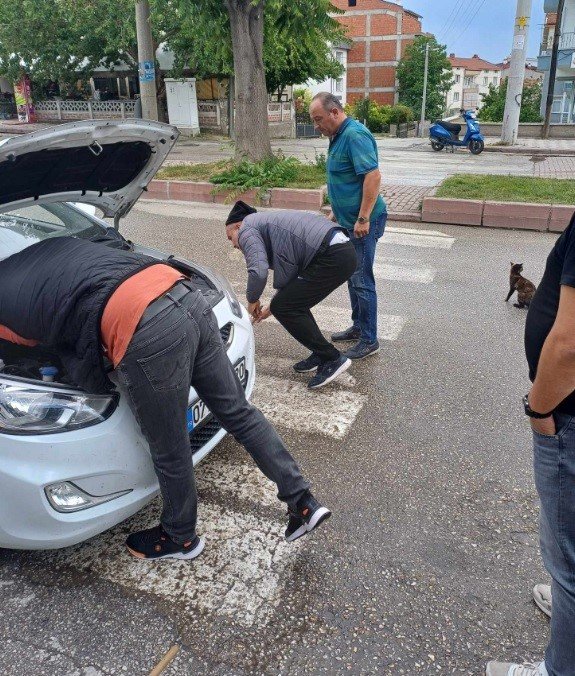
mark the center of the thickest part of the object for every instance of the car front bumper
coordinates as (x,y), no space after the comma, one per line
(104,459)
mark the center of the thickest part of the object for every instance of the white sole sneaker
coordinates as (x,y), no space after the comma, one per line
(542,598)
(346,364)
(186,556)
(319,516)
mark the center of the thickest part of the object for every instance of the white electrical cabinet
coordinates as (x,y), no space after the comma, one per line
(183,104)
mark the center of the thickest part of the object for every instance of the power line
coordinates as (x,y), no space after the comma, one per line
(451,20)
(469,22)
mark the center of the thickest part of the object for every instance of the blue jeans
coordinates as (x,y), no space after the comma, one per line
(361,285)
(554,465)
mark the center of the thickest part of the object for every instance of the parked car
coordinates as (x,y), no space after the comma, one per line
(73,464)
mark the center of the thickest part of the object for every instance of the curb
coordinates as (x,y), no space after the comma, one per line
(203,191)
(490,214)
(523,150)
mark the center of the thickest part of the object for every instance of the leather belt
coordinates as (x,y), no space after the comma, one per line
(176,292)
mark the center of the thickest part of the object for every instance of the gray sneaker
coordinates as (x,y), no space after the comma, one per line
(362,350)
(512,669)
(350,334)
(542,598)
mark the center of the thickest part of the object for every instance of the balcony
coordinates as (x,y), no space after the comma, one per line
(566,42)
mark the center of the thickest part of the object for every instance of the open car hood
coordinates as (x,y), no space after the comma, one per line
(106,163)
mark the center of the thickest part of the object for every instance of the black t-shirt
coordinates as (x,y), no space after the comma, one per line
(560,270)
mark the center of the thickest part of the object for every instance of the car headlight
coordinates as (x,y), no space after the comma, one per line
(228,289)
(25,409)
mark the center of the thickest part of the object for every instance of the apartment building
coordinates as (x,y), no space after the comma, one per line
(471,78)
(563,111)
(380,31)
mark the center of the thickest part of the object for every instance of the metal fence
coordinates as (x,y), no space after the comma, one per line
(84,110)
(7,110)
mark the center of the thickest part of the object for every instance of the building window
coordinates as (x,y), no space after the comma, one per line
(485,81)
(339,85)
(468,81)
(457,79)
(495,81)
(339,56)
(456,97)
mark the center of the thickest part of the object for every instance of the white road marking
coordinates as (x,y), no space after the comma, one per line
(330,319)
(427,239)
(277,365)
(244,481)
(237,576)
(329,412)
(402,273)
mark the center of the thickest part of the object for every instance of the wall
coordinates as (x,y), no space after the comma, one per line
(557,131)
(380,32)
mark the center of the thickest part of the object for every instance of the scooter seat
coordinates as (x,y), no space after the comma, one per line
(454,129)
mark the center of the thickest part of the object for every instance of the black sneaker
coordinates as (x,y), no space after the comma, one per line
(306,365)
(362,350)
(328,371)
(352,333)
(155,543)
(307,516)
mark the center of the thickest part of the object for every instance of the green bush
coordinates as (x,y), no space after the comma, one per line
(378,118)
(273,172)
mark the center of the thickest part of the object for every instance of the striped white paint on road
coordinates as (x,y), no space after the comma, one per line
(288,403)
(403,273)
(329,319)
(282,366)
(427,239)
(238,576)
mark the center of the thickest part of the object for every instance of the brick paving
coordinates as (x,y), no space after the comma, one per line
(554,167)
(404,198)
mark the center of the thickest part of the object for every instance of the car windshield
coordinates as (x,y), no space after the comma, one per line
(27,225)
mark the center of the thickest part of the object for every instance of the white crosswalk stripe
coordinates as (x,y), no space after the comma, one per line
(330,319)
(403,273)
(289,403)
(428,239)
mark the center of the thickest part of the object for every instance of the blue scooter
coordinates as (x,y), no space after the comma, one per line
(444,134)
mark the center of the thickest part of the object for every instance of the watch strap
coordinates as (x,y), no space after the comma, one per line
(534,414)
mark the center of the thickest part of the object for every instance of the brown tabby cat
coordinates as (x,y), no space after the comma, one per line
(525,289)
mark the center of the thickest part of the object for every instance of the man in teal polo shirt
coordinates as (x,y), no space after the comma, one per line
(353,183)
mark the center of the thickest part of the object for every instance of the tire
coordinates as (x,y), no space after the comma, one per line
(437,145)
(476,146)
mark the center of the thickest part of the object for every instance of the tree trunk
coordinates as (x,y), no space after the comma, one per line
(251,97)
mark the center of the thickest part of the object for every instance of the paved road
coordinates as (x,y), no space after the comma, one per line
(422,452)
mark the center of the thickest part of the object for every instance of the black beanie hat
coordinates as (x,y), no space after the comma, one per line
(239,212)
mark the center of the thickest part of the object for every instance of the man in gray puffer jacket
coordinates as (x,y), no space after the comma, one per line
(310,258)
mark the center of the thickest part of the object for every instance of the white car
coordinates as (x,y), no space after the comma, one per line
(71,464)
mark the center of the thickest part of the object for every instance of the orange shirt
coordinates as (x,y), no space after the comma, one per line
(127,304)
(123,310)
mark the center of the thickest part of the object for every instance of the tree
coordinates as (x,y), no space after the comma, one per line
(264,50)
(410,75)
(494,103)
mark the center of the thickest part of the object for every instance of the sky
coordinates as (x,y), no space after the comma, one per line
(489,33)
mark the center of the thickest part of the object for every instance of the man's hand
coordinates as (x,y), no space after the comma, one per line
(544,425)
(361,229)
(254,309)
(264,314)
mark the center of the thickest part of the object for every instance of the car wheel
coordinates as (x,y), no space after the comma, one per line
(476,146)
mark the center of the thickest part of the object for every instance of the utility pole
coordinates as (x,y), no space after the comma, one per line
(424,97)
(553,70)
(516,78)
(146,61)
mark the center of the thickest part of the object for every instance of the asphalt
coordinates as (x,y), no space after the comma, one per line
(426,566)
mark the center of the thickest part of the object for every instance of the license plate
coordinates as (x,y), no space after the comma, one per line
(198,412)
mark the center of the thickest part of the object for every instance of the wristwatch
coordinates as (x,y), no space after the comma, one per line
(531,413)
(362,219)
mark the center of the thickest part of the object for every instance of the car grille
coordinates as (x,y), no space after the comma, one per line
(201,435)
(227,333)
